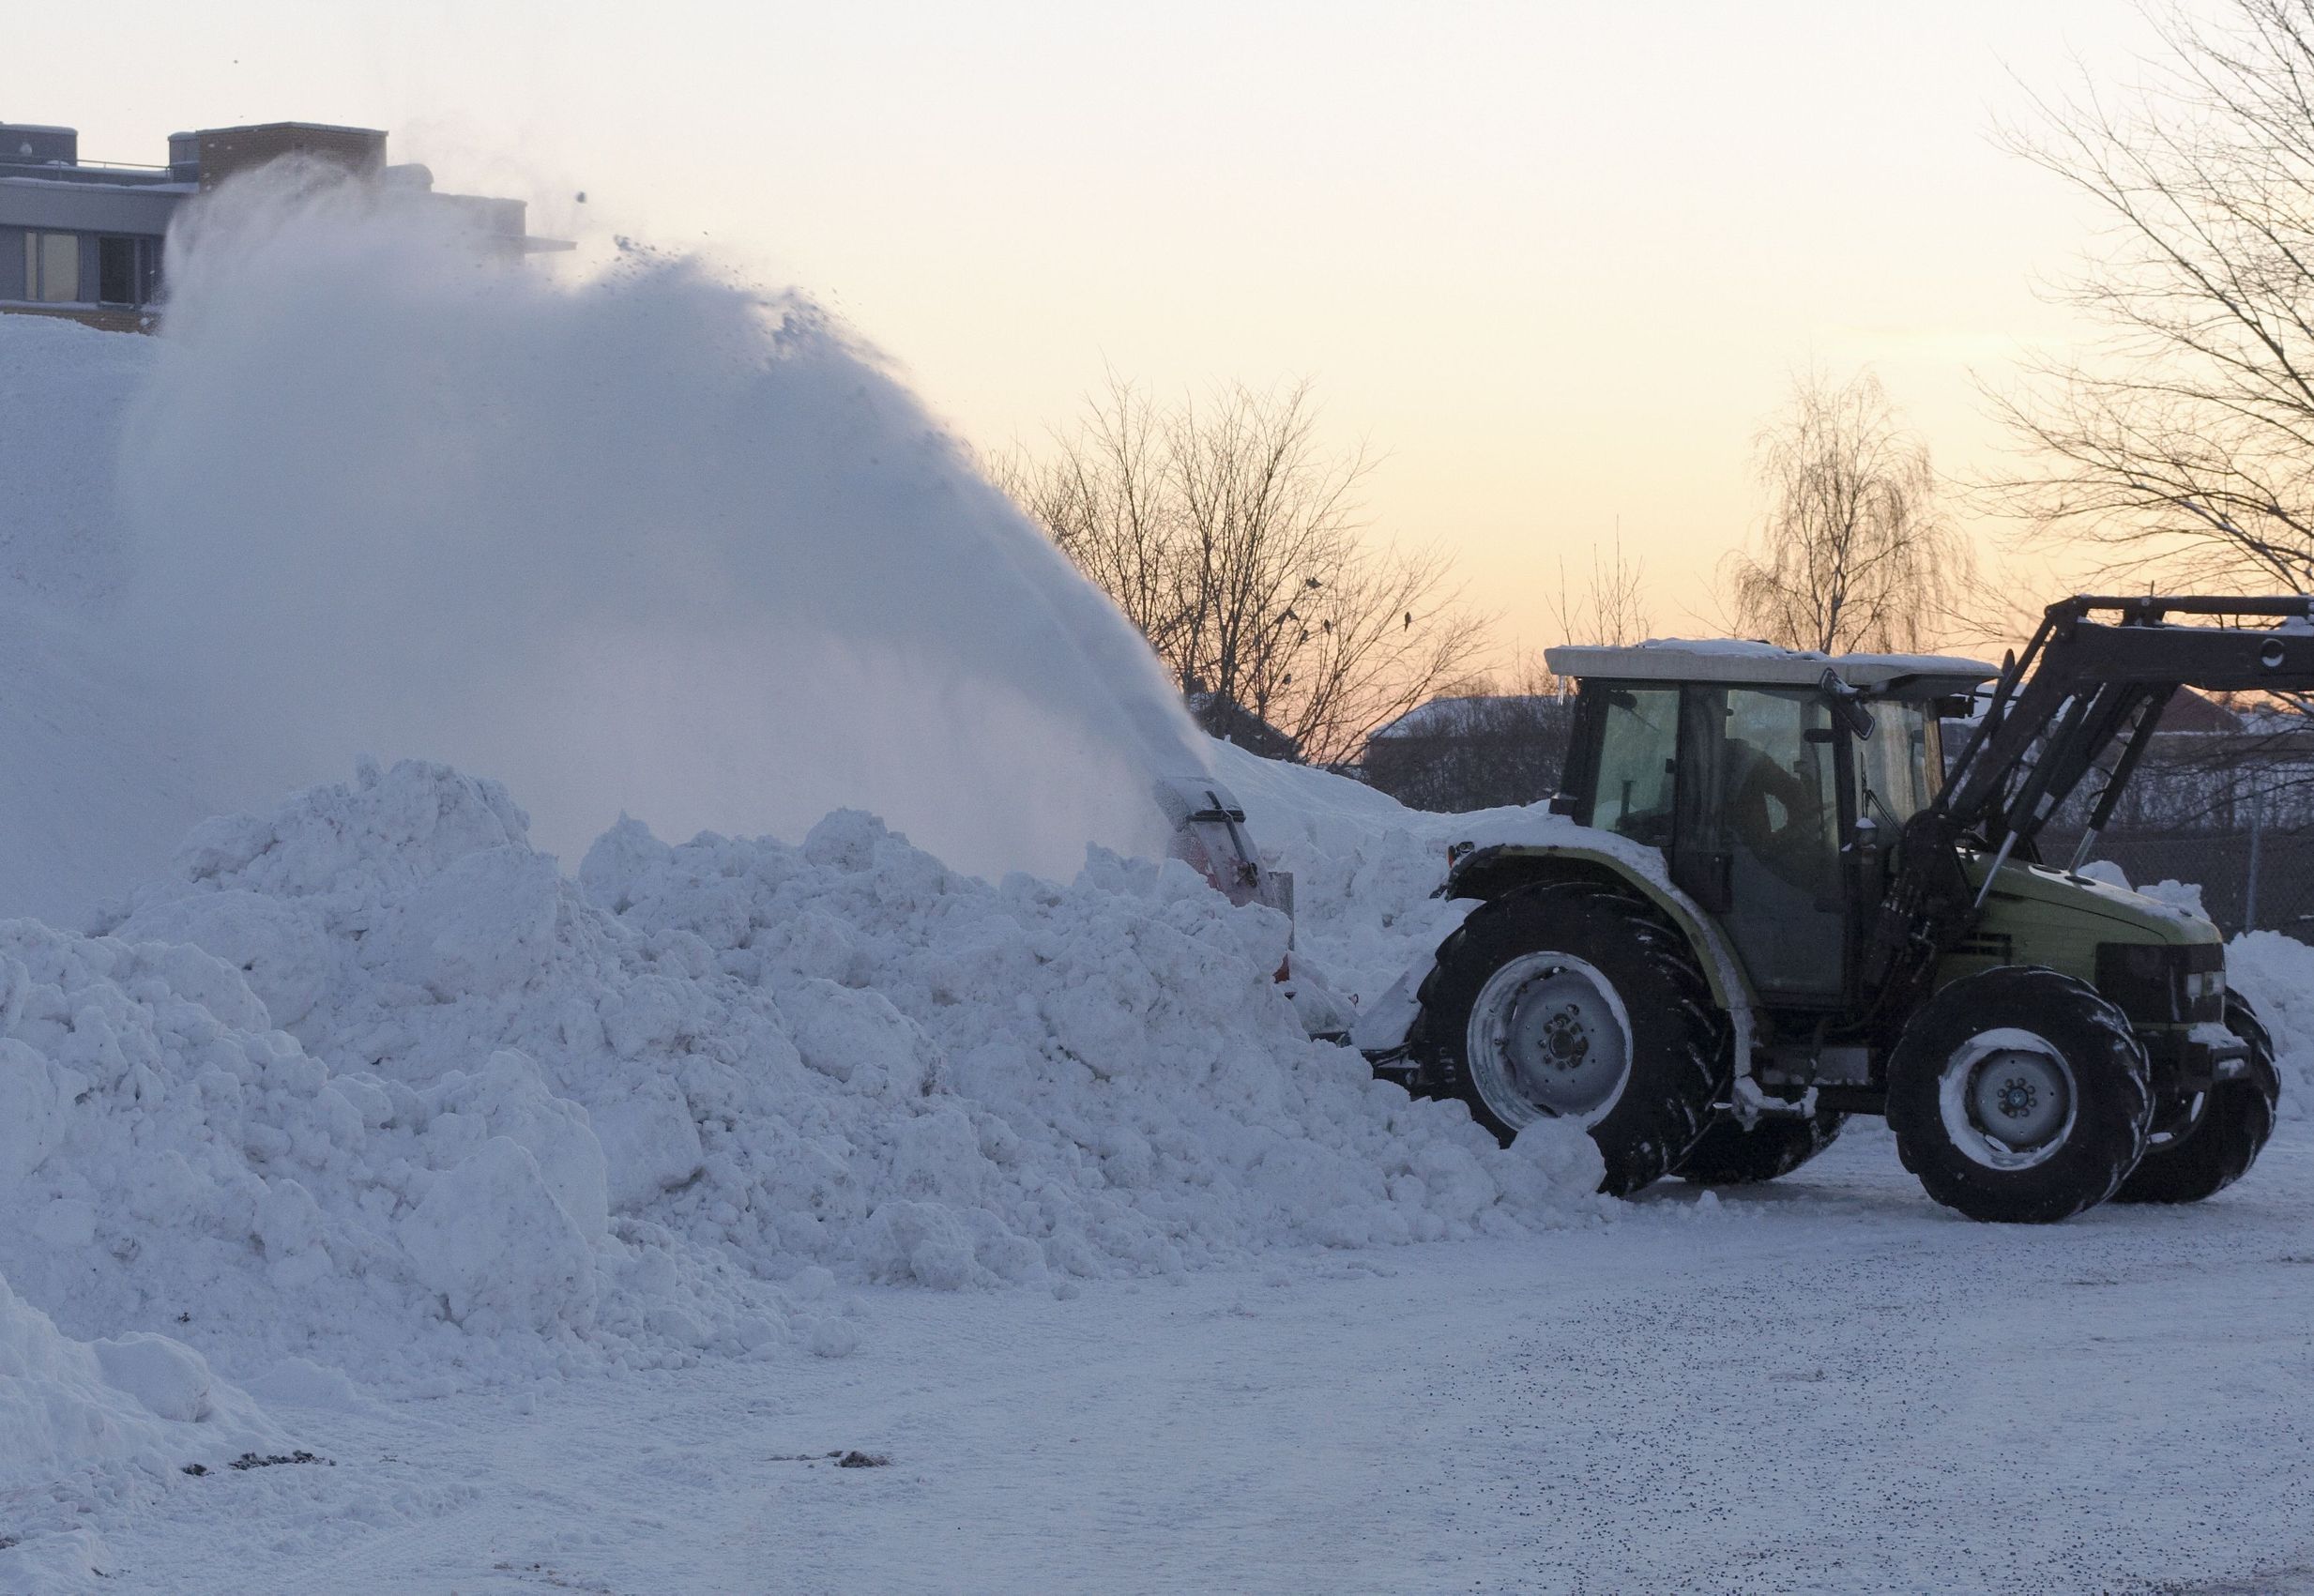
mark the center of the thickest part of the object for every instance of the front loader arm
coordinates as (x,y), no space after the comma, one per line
(2093,681)
(2097,680)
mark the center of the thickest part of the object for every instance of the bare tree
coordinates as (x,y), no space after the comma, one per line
(1234,540)
(1852,552)
(2185,438)
(1608,607)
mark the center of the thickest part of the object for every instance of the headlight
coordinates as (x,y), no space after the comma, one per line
(2164,984)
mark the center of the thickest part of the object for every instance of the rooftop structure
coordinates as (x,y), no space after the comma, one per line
(86,238)
(1473,714)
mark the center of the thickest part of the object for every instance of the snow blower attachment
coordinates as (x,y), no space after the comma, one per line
(1209,836)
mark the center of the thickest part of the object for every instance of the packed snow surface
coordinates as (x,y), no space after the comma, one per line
(1588,1413)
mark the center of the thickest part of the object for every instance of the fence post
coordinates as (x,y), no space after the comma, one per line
(2249,890)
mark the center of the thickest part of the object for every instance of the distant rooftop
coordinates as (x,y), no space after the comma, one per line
(1467,714)
(37,157)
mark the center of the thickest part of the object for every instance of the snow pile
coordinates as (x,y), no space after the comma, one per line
(86,1425)
(2184,896)
(142,1400)
(169,1161)
(1113,1080)
(834,1058)
(2276,974)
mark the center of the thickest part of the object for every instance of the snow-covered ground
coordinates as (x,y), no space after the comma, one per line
(1830,1385)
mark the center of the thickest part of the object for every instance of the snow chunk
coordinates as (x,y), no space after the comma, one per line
(281,950)
(492,1238)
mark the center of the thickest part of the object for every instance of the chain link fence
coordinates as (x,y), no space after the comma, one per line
(2251,879)
(2229,812)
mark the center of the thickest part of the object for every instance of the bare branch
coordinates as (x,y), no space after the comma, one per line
(2182,442)
(1232,538)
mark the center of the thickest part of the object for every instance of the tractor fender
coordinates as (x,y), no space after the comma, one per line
(1481,873)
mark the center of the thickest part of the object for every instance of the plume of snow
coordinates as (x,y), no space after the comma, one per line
(648,541)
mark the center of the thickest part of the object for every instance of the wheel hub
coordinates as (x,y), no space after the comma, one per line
(1548,1039)
(2008,1099)
(1564,1043)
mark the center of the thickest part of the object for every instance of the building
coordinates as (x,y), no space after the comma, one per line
(1472,752)
(87,240)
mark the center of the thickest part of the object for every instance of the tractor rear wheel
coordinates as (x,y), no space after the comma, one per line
(2203,1145)
(1729,1155)
(1577,1000)
(2018,1096)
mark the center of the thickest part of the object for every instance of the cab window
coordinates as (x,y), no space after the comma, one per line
(1638,737)
(1897,767)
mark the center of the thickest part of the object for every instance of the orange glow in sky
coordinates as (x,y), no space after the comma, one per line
(1551,263)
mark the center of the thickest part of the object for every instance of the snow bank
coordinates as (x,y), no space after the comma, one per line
(170,1162)
(86,1425)
(2276,974)
(515,1120)
(1110,1080)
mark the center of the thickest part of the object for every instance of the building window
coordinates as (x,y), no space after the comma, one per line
(52,267)
(117,271)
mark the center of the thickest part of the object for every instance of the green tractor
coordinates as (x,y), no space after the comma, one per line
(1762,903)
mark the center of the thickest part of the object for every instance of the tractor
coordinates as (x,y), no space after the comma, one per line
(1764,901)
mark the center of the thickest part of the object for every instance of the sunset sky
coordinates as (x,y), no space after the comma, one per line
(1552,263)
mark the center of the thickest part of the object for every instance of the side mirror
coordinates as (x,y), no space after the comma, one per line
(1565,804)
(1845,703)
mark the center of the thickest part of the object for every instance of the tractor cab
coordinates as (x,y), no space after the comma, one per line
(1770,780)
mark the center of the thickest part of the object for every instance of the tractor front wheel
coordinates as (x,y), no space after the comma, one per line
(1575,1000)
(2019,1096)
(2204,1144)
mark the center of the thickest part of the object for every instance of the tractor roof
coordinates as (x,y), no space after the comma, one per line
(1763,664)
